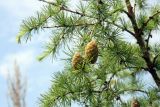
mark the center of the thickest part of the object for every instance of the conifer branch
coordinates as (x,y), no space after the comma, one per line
(149,19)
(97,84)
(141,42)
(62,7)
(106,84)
(122,28)
(59,97)
(76,25)
(48,2)
(33,24)
(155,58)
(17,90)
(82,14)
(132,90)
(147,40)
(131,16)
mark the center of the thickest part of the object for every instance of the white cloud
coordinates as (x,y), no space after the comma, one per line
(23,58)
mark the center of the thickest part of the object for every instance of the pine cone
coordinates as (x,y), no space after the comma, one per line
(135,103)
(91,51)
(77,61)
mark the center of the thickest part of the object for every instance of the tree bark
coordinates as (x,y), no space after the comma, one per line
(138,34)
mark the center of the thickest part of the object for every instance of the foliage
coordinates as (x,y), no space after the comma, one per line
(121,68)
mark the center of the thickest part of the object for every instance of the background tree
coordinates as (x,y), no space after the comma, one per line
(17,88)
(98,27)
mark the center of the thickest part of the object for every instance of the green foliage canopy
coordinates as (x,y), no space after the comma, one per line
(121,65)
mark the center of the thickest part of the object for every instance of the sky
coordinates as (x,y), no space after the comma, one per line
(37,73)
(12,12)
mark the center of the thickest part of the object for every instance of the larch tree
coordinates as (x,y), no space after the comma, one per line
(102,68)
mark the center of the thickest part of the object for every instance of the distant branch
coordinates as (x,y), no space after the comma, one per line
(17,91)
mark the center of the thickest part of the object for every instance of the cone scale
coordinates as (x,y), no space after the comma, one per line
(135,103)
(91,52)
(77,61)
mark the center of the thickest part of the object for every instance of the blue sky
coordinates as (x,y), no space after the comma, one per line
(38,74)
(12,12)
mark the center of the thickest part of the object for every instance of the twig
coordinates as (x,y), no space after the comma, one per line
(49,2)
(76,25)
(155,58)
(122,28)
(82,14)
(150,18)
(147,40)
(135,90)
(106,84)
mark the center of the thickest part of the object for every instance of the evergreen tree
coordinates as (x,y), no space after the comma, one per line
(102,69)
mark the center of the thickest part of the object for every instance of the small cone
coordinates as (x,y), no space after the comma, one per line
(77,61)
(135,103)
(91,51)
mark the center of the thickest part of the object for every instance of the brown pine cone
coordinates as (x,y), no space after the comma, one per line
(135,103)
(77,61)
(91,51)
